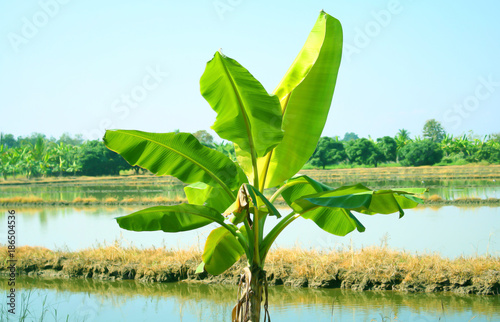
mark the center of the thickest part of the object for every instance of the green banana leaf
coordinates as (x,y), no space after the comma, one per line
(202,194)
(358,198)
(305,93)
(336,221)
(258,198)
(221,251)
(177,154)
(170,219)
(246,114)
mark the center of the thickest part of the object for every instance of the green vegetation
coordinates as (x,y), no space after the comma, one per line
(404,151)
(423,152)
(36,156)
(363,151)
(434,131)
(328,151)
(274,136)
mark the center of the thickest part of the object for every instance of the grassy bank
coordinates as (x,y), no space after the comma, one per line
(367,269)
(91,201)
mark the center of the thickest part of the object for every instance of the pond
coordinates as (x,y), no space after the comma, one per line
(91,300)
(449,230)
(446,189)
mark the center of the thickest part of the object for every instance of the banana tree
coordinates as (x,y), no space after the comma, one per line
(274,135)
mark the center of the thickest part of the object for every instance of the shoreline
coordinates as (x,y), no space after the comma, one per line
(372,268)
(432,201)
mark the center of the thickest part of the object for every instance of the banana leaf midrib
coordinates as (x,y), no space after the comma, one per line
(253,153)
(270,154)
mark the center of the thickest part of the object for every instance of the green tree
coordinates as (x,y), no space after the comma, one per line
(8,140)
(495,137)
(433,130)
(422,152)
(97,160)
(328,152)
(402,138)
(350,136)
(67,138)
(271,146)
(227,148)
(31,139)
(204,137)
(363,151)
(388,146)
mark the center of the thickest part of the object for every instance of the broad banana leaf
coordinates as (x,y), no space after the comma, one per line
(336,221)
(358,198)
(202,194)
(221,251)
(170,219)
(305,94)
(246,114)
(177,154)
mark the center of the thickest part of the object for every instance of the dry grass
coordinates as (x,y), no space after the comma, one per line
(129,200)
(465,172)
(21,200)
(93,201)
(85,200)
(434,198)
(371,268)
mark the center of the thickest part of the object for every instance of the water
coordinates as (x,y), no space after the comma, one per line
(446,189)
(449,230)
(68,192)
(90,300)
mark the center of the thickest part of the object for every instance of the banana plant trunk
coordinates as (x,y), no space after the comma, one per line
(251,289)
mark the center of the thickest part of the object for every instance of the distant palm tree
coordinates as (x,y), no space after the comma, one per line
(402,138)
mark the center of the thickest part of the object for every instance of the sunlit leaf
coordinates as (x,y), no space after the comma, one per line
(177,154)
(170,218)
(305,94)
(221,251)
(246,114)
(202,194)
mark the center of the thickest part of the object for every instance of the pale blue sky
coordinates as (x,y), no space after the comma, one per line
(85,66)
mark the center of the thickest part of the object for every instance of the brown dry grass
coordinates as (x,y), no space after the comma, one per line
(434,198)
(369,268)
(110,200)
(23,200)
(93,201)
(85,200)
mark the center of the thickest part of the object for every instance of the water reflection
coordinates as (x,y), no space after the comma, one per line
(67,192)
(451,231)
(446,189)
(133,301)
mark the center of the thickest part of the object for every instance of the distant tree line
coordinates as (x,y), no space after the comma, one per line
(434,147)
(39,156)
